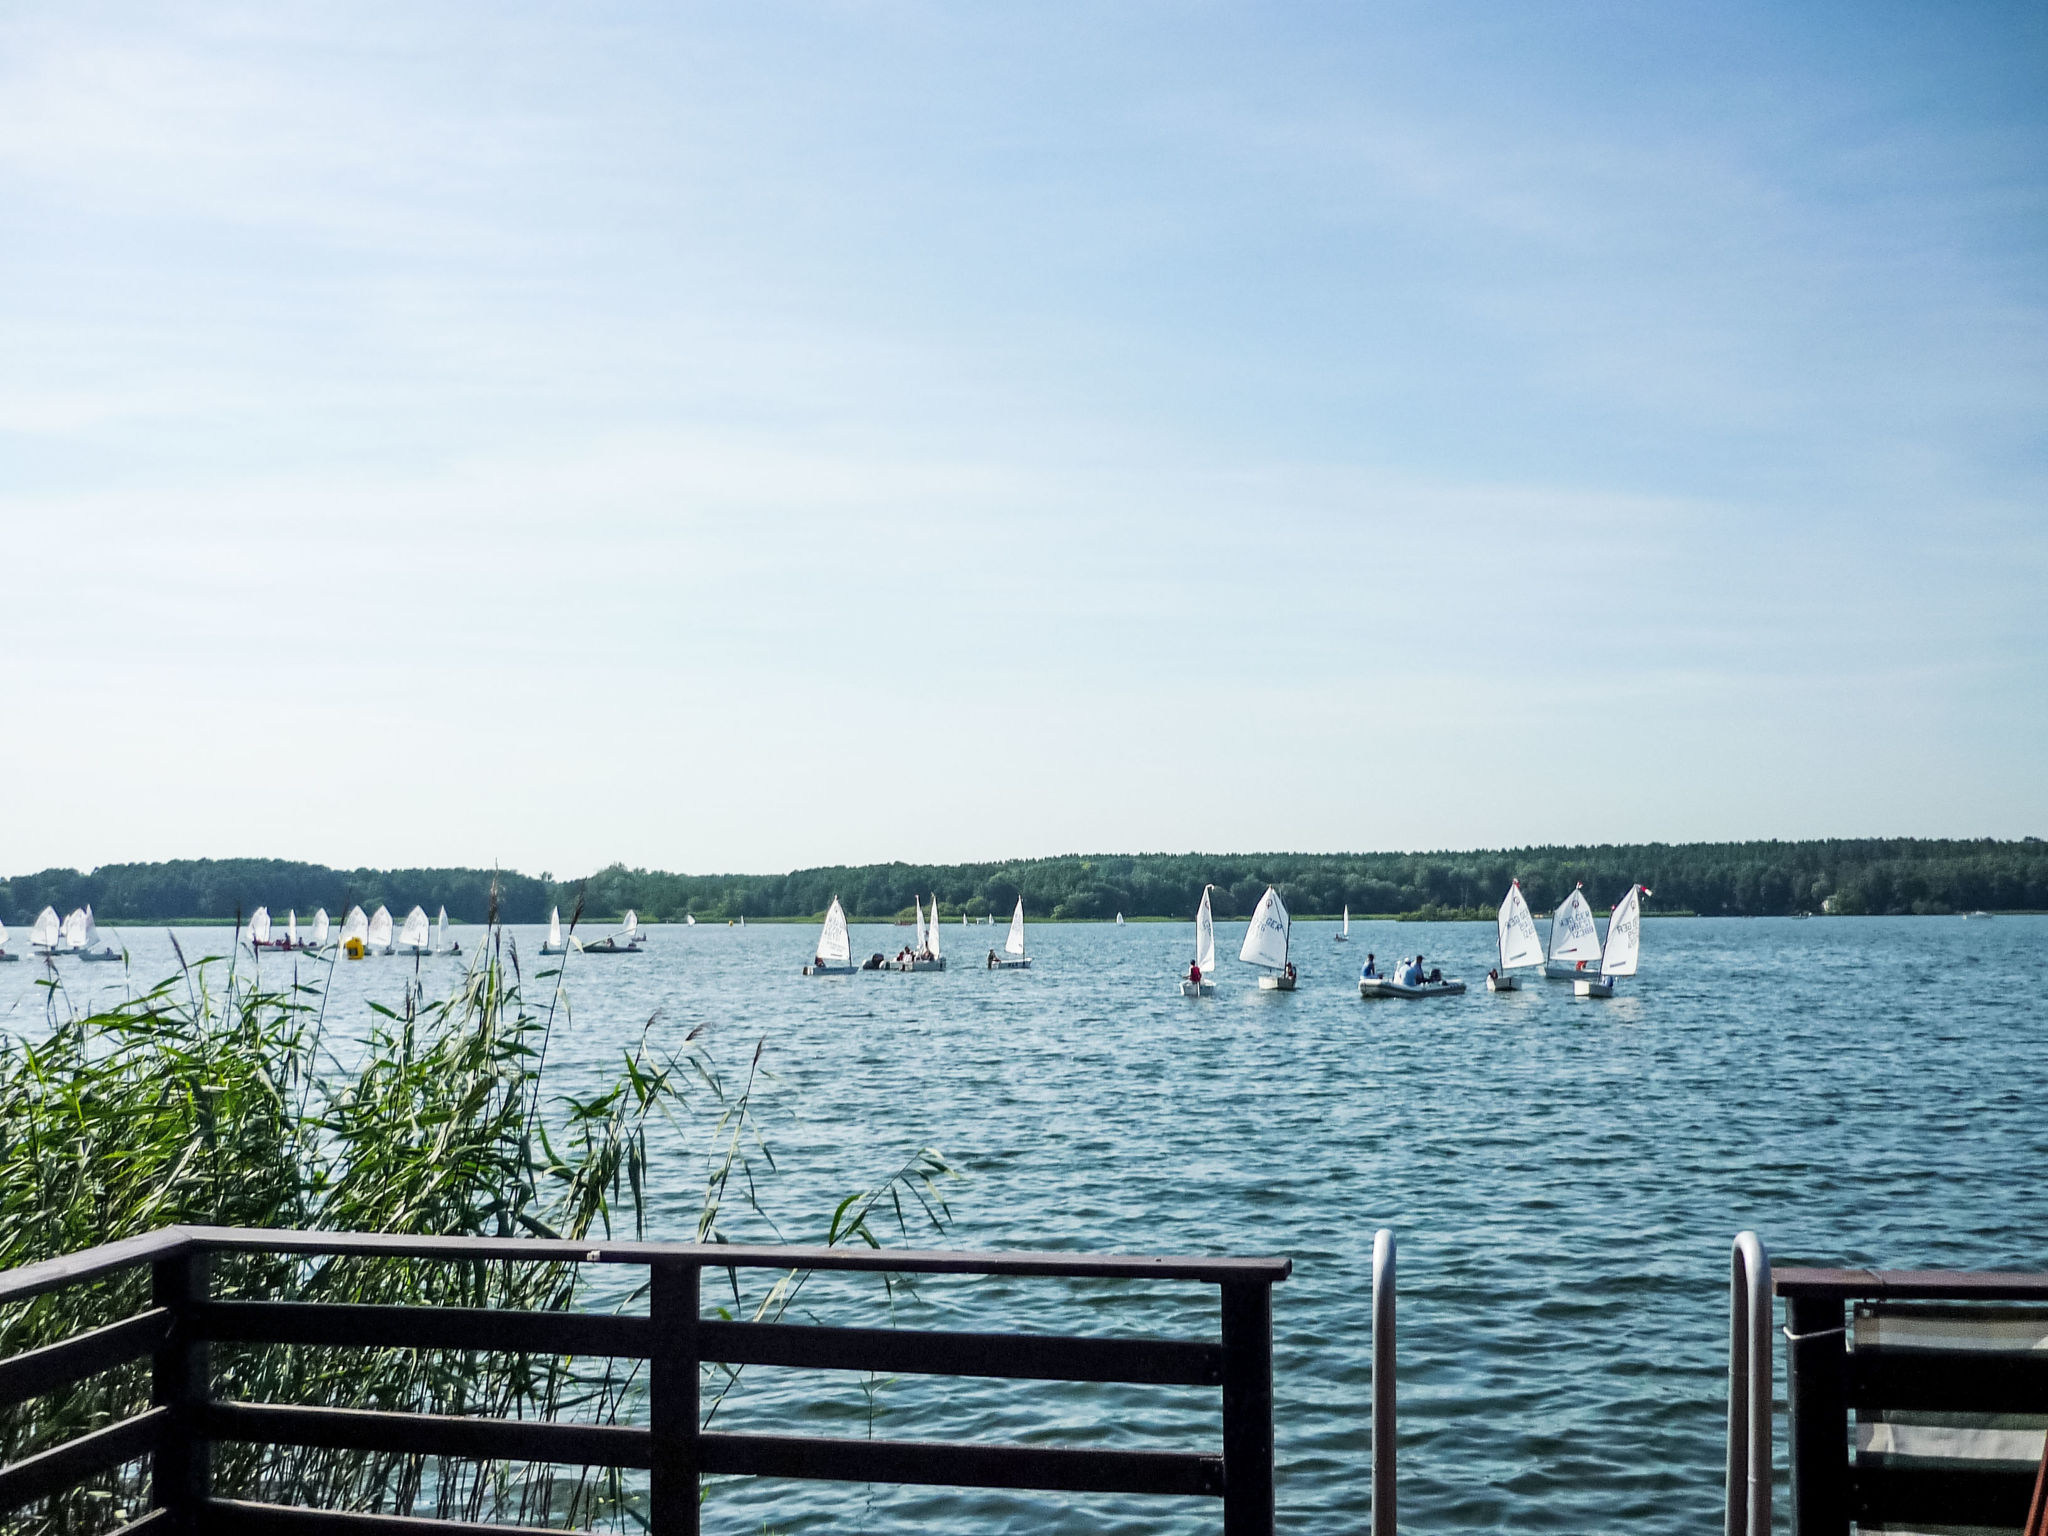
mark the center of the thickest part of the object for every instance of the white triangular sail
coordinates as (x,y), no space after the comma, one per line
(291,928)
(1624,936)
(354,926)
(689,920)
(1519,944)
(554,927)
(91,937)
(931,936)
(835,945)
(1573,934)
(1346,930)
(1265,942)
(1014,944)
(320,929)
(917,902)
(441,929)
(1205,936)
(632,924)
(74,929)
(3,936)
(380,928)
(415,934)
(47,930)
(259,926)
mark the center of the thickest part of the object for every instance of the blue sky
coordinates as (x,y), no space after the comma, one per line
(743,437)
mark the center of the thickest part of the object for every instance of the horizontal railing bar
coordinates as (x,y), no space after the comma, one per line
(67,1465)
(156,1520)
(56,1366)
(1913,1496)
(1911,1284)
(893,1351)
(243,1515)
(1072,1266)
(1953,1381)
(1141,1362)
(90,1264)
(429,1434)
(372,1327)
(1055,1469)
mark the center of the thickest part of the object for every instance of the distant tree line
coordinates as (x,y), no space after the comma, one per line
(1875,875)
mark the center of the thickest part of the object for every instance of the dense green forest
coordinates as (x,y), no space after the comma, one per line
(1876,875)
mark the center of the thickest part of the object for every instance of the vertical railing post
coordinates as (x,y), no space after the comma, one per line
(1750,1351)
(181,1471)
(1247,1408)
(1816,1386)
(672,1490)
(1385,1509)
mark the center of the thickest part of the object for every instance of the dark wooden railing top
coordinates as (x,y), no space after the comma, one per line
(1909,1284)
(185,1417)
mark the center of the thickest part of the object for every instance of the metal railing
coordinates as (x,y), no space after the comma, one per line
(1825,1380)
(175,1434)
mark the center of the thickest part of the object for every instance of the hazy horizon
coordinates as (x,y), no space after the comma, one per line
(750,440)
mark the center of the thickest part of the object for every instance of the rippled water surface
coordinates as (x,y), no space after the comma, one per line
(1564,1176)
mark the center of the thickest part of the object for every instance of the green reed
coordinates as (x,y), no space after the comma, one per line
(215,1097)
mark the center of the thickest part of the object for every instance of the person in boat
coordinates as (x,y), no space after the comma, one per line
(991,959)
(1412,977)
(1371,971)
(1289,971)
(1195,973)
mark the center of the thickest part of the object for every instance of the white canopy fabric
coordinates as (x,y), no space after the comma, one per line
(1573,933)
(835,945)
(1519,944)
(1624,936)
(1265,942)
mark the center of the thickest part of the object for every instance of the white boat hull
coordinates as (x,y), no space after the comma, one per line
(831,970)
(1564,970)
(1271,983)
(1007,963)
(1198,989)
(99,954)
(1503,983)
(1592,986)
(920,965)
(1386,986)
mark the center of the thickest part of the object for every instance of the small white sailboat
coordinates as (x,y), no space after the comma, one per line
(630,930)
(1344,933)
(554,944)
(414,936)
(689,921)
(926,956)
(1519,944)
(441,944)
(72,938)
(91,946)
(1623,948)
(291,929)
(1199,980)
(1265,943)
(1013,957)
(46,936)
(4,956)
(378,940)
(319,940)
(355,934)
(1574,938)
(1119,919)
(259,928)
(625,942)
(834,955)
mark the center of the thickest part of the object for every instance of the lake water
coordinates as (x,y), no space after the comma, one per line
(1564,1175)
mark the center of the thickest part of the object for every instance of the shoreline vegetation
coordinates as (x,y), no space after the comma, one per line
(217,1097)
(1841,876)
